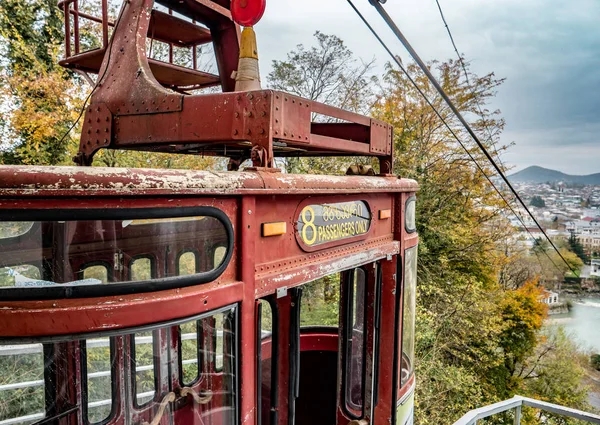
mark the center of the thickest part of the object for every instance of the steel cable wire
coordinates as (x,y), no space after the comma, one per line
(413,82)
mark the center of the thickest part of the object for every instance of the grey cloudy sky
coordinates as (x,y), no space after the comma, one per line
(548,50)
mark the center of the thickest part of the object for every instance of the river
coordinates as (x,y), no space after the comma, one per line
(583,322)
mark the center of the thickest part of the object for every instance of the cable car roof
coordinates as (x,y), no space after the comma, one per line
(106,181)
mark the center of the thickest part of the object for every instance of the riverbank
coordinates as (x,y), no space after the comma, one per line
(582,323)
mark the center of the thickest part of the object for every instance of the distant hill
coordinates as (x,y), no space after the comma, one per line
(535,174)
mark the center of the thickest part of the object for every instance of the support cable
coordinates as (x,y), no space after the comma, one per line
(469,86)
(480,109)
(399,63)
(392,25)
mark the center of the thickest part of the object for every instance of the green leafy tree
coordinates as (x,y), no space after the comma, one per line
(576,247)
(327,72)
(537,201)
(41,98)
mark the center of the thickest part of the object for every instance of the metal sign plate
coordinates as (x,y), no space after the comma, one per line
(320,224)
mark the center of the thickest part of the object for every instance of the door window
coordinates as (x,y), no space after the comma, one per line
(355,341)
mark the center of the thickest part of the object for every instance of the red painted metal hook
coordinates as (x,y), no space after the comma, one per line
(247,12)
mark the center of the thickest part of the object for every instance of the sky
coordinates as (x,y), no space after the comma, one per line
(548,51)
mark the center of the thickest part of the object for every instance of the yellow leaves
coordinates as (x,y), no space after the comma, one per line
(523,306)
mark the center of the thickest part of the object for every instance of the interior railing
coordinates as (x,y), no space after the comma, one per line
(516,404)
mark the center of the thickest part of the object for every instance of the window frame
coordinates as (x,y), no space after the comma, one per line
(348,406)
(401,384)
(199,353)
(213,251)
(182,253)
(146,256)
(117,288)
(410,199)
(106,264)
(84,381)
(155,354)
(274,396)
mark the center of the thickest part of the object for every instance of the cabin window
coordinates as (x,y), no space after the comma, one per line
(219,256)
(187,263)
(14,229)
(21,276)
(33,376)
(142,268)
(22,364)
(206,235)
(143,359)
(98,273)
(220,336)
(410,215)
(408,315)
(190,341)
(98,378)
(355,341)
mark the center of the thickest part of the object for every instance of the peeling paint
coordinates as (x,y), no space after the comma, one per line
(29,180)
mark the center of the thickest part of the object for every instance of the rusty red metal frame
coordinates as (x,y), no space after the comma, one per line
(132,107)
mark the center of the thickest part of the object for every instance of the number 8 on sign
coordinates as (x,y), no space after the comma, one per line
(308,224)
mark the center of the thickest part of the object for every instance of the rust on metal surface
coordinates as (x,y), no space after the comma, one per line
(18,180)
(258,125)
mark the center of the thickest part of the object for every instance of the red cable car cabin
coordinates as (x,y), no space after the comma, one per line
(204,298)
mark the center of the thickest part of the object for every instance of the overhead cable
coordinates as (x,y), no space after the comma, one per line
(469,86)
(435,83)
(480,109)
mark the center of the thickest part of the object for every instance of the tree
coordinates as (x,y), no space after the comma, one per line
(327,73)
(554,373)
(537,201)
(577,248)
(459,320)
(522,319)
(42,99)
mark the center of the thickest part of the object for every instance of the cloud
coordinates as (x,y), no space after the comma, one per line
(547,49)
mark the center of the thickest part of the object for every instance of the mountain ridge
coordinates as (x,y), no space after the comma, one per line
(537,174)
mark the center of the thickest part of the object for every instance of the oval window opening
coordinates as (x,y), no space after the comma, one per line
(86,258)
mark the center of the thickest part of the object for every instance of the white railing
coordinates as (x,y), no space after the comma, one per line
(516,403)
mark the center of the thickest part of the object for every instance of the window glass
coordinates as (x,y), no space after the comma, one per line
(320,302)
(12,229)
(221,335)
(187,263)
(22,275)
(410,215)
(141,269)
(98,273)
(408,314)
(23,393)
(114,243)
(219,256)
(22,379)
(266,362)
(98,378)
(355,337)
(143,353)
(189,334)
